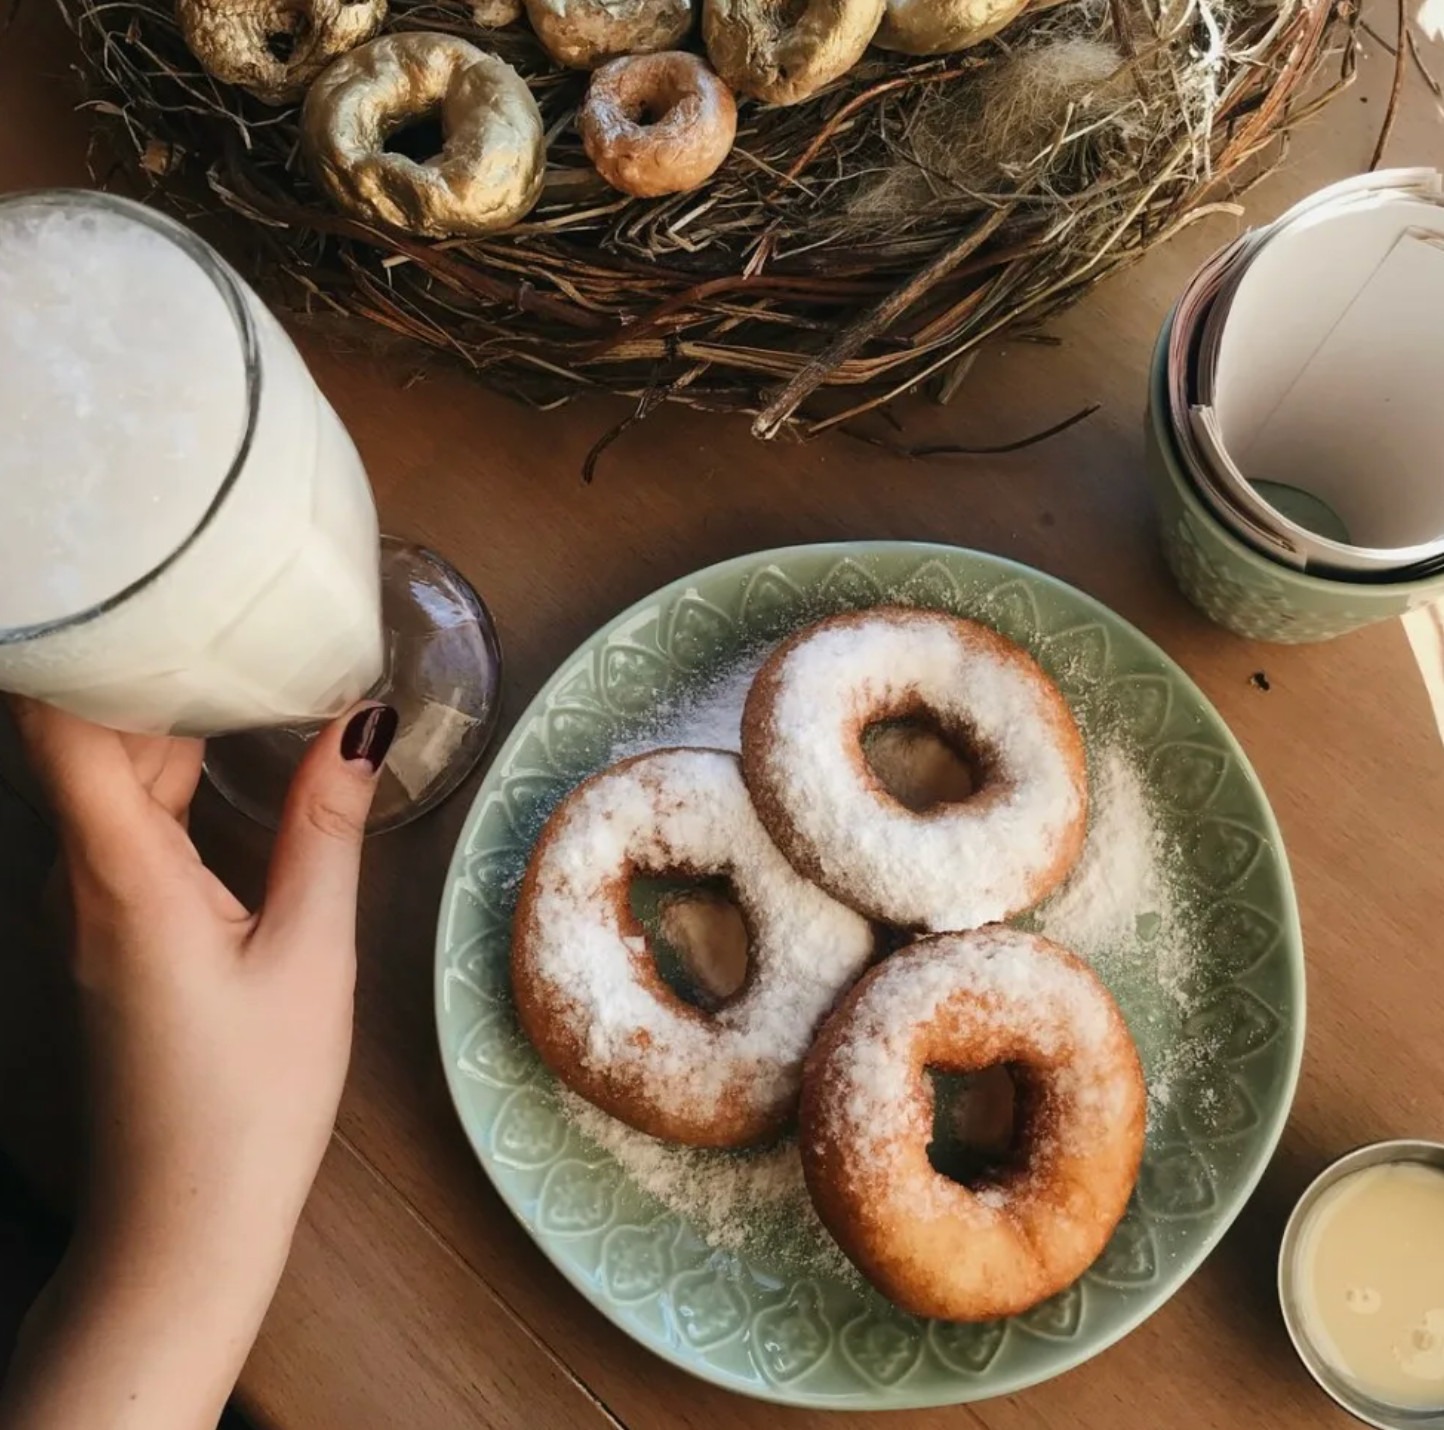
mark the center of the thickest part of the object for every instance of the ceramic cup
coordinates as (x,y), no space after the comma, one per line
(1362,1406)
(1235,585)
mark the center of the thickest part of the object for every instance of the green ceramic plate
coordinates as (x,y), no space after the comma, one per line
(745,1320)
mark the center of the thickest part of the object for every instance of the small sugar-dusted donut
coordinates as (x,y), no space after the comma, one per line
(959,864)
(782,54)
(582,34)
(1028,1226)
(657,124)
(275,48)
(587,989)
(493,157)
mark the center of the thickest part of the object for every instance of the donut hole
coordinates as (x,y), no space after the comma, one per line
(975,1123)
(417,137)
(649,104)
(697,936)
(284,35)
(920,764)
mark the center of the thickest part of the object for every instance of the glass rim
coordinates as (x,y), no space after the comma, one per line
(228,286)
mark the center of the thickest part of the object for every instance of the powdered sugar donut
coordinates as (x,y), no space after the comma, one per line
(1030,1226)
(587,988)
(957,865)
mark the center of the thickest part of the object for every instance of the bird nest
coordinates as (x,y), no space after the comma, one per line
(852,247)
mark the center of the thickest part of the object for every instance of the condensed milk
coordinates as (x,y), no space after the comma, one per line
(1365,1273)
(1371,1281)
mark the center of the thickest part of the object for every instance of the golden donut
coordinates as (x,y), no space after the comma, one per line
(1032,1224)
(762,51)
(587,989)
(275,48)
(489,172)
(583,34)
(959,864)
(657,124)
(938,27)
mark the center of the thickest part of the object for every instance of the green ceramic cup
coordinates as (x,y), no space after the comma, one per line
(1235,585)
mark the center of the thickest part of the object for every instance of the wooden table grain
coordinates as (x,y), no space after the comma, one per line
(412,1298)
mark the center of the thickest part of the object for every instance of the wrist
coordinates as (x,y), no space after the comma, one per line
(181,1195)
(217,1248)
(146,1338)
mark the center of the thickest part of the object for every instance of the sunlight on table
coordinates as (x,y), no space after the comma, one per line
(1425,629)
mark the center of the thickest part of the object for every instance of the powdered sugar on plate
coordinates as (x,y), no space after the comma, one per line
(708,716)
(735,1201)
(1119,874)
(1122,909)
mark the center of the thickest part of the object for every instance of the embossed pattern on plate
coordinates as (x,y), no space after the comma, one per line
(809,1340)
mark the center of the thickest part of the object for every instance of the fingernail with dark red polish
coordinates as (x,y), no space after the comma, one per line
(368,735)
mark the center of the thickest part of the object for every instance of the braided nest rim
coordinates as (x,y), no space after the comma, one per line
(834,262)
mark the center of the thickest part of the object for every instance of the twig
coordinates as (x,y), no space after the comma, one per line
(1378,39)
(952,449)
(1085,272)
(955,379)
(695,296)
(1304,48)
(648,400)
(856,103)
(1118,13)
(589,467)
(1421,66)
(873,322)
(1401,58)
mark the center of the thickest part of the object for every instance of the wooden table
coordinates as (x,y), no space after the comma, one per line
(412,1298)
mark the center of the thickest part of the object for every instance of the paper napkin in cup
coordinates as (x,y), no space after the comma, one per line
(1306,380)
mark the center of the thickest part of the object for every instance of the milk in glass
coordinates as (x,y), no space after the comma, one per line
(188,541)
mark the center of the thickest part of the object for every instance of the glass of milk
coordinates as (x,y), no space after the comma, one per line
(188,540)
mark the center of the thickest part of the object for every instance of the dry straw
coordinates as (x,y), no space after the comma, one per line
(852,248)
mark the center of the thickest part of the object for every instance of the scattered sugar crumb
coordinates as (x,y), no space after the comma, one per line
(1118,876)
(1181,1063)
(1121,910)
(709,716)
(1120,906)
(736,1201)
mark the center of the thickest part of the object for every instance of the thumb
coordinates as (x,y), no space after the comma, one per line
(317,859)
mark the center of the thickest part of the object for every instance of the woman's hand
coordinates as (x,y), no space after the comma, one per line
(216,1043)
